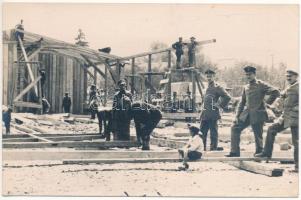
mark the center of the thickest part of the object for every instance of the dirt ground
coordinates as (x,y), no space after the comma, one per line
(214,179)
(152,179)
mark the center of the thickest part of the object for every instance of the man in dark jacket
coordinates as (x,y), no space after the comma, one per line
(255,113)
(121,112)
(66,103)
(191,51)
(289,118)
(45,105)
(6,118)
(146,118)
(92,95)
(216,98)
(178,46)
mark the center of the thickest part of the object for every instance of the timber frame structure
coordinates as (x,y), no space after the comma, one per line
(67,67)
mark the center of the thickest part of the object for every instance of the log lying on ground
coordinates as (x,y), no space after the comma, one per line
(258,168)
(23,129)
(152,160)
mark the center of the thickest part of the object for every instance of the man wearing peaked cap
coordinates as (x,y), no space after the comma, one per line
(191,51)
(216,98)
(251,110)
(250,69)
(289,118)
(121,112)
(209,71)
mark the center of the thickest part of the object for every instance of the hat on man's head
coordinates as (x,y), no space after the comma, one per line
(209,71)
(292,72)
(194,129)
(121,82)
(93,85)
(192,38)
(250,69)
(66,92)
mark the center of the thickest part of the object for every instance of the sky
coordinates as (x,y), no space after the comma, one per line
(254,33)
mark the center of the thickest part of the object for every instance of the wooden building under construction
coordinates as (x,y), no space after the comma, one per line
(66,66)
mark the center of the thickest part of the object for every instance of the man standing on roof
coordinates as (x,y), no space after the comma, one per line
(20,27)
(252,111)
(121,112)
(178,46)
(216,98)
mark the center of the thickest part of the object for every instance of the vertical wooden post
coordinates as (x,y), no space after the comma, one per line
(193,90)
(169,78)
(133,78)
(117,70)
(95,77)
(149,77)
(106,86)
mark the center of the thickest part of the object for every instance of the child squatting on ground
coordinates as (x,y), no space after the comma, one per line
(194,147)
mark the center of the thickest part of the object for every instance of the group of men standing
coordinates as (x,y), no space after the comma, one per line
(179,45)
(256,97)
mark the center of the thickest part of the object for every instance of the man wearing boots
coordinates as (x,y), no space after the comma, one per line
(121,112)
(216,98)
(178,46)
(289,118)
(251,110)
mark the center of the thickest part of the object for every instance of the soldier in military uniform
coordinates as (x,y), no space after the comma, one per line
(255,113)
(66,103)
(146,118)
(178,46)
(289,118)
(121,112)
(92,95)
(216,98)
(191,51)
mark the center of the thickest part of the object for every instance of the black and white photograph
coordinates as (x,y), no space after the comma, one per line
(150,99)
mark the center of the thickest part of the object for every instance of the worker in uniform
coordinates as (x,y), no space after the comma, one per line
(6,118)
(121,112)
(66,103)
(45,105)
(191,51)
(17,33)
(146,118)
(43,79)
(188,105)
(288,119)
(92,95)
(178,46)
(252,110)
(216,98)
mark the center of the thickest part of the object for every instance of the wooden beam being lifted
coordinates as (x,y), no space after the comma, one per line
(31,85)
(27,64)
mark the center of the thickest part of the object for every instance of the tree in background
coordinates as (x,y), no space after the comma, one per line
(81,39)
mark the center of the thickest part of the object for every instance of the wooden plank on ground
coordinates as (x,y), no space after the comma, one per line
(39,138)
(20,140)
(61,154)
(258,168)
(153,160)
(179,115)
(68,144)
(167,143)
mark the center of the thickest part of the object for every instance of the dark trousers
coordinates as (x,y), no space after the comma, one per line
(191,58)
(7,127)
(144,130)
(179,55)
(66,109)
(105,120)
(212,125)
(236,130)
(191,155)
(271,134)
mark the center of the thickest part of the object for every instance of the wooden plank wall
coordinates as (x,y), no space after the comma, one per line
(63,74)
